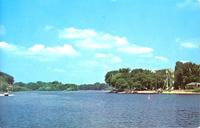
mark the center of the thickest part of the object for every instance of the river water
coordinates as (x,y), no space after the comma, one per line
(97,109)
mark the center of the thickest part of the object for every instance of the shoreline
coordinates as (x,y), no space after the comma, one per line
(181,92)
(176,92)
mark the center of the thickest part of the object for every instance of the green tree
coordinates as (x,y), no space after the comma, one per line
(186,73)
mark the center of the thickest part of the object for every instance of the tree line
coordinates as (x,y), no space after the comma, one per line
(122,79)
(7,84)
(56,86)
(144,79)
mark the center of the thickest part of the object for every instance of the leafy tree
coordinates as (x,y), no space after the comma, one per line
(6,81)
(186,73)
(139,79)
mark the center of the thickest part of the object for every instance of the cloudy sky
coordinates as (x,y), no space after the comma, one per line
(78,41)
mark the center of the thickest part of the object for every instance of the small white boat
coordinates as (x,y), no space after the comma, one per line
(6,94)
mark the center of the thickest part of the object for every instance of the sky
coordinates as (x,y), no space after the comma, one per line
(78,41)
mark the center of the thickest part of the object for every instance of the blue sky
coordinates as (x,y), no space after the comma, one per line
(78,41)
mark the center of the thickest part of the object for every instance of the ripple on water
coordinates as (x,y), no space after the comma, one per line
(98,110)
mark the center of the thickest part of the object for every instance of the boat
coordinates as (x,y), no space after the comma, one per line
(6,94)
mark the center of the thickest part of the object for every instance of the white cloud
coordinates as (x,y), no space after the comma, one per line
(188,3)
(161,58)
(90,39)
(6,46)
(36,48)
(40,49)
(2,30)
(134,49)
(108,57)
(90,44)
(189,45)
(116,40)
(73,33)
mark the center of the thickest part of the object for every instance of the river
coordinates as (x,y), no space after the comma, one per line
(98,109)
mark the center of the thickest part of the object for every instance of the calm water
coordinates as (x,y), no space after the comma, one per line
(98,110)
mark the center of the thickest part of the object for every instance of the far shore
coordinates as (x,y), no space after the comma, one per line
(180,92)
(176,92)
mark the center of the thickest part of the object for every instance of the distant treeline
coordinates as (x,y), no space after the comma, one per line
(144,79)
(122,79)
(7,83)
(56,86)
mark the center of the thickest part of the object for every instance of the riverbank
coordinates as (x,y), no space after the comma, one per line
(181,92)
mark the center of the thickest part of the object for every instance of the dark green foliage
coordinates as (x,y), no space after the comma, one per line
(4,87)
(5,77)
(95,86)
(56,86)
(186,73)
(44,86)
(142,79)
(196,90)
(20,88)
(139,79)
(5,81)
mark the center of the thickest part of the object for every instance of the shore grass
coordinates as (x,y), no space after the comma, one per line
(196,90)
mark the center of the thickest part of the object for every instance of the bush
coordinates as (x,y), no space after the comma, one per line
(20,88)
